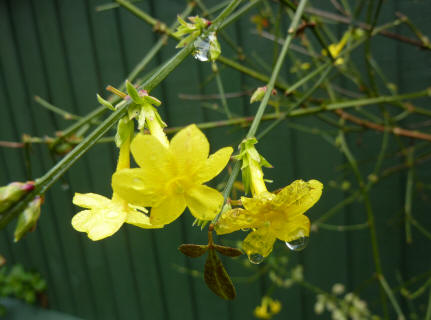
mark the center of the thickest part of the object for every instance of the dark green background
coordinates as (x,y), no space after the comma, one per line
(65,51)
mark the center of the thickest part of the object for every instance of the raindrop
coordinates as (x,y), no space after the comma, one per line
(255,258)
(299,243)
(245,229)
(202,46)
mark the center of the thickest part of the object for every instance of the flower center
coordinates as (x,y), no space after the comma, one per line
(178,185)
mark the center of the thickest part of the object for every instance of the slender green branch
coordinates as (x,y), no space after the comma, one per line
(370,215)
(428,314)
(221,92)
(391,297)
(340,205)
(352,227)
(409,196)
(66,115)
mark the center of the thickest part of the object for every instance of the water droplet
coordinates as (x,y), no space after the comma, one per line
(299,243)
(202,46)
(245,229)
(255,258)
(300,240)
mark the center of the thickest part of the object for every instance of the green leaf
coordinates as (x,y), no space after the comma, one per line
(228,251)
(105,103)
(152,100)
(133,93)
(193,250)
(216,277)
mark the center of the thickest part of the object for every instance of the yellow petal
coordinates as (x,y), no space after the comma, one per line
(168,210)
(214,164)
(204,202)
(259,242)
(99,223)
(149,153)
(259,203)
(90,200)
(80,220)
(134,186)
(298,197)
(234,220)
(291,229)
(140,220)
(190,148)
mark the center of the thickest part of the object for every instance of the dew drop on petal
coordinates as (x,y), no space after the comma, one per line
(245,229)
(202,46)
(299,243)
(255,258)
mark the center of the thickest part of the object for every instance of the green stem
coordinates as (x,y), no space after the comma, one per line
(344,228)
(428,314)
(66,115)
(305,79)
(221,92)
(370,215)
(291,33)
(409,196)
(143,15)
(336,208)
(391,297)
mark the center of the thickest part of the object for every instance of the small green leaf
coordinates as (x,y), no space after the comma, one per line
(105,103)
(216,277)
(228,251)
(133,93)
(193,250)
(152,100)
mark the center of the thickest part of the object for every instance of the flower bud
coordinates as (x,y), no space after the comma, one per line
(258,94)
(13,192)
(28,218)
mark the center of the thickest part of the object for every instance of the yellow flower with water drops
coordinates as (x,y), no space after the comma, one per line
(268,308)
(273,216)
(171,176)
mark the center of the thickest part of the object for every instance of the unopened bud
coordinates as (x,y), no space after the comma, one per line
(13,192)
(258,94)
(28,218)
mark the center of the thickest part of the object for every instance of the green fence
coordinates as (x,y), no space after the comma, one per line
(65,52)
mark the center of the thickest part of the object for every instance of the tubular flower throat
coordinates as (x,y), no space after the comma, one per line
(272,216)
(171,177)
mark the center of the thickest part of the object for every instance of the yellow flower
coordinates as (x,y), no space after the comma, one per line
(272,216)
(268,308)
(170,178)
(106,216)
